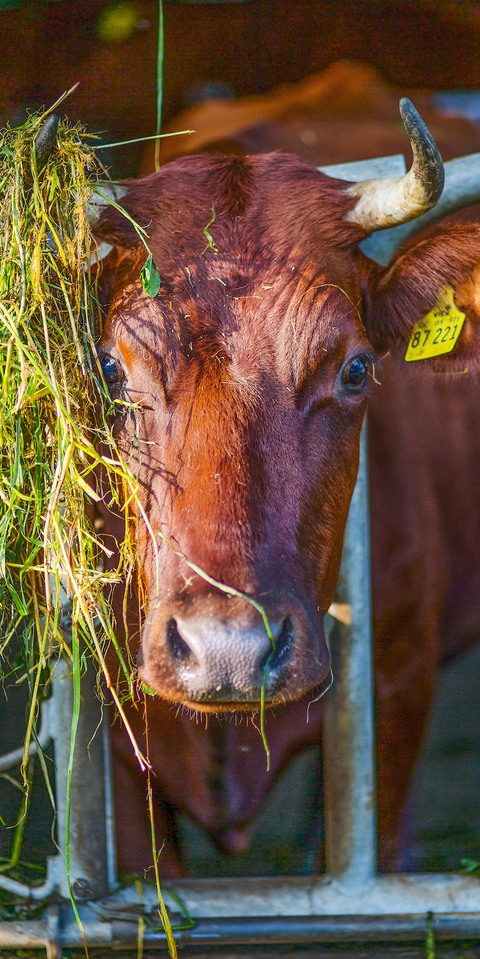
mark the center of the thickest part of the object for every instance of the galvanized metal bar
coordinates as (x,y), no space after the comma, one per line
(263,930)
(88,839)
(278,929)
(28,934)
(356,170)
(348,740)
(405,893)
(37,893)
(110,837)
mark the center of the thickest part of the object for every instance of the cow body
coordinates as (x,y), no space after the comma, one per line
(243,387)
(423,442)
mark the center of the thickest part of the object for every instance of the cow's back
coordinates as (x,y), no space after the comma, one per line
(424,447)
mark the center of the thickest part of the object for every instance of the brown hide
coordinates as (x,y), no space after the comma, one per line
(347,112)
(238,369)
(412,594)
(419,500)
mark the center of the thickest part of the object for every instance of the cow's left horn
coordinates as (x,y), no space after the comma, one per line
(45,140)
(388,201)
(102,198)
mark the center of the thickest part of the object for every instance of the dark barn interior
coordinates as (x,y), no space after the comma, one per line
(228,50)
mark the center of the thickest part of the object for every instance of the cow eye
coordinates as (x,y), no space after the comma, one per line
(110,370)
(355,373)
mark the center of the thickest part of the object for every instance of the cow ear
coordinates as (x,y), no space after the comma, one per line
(110,223)
(426,302)
(117,249)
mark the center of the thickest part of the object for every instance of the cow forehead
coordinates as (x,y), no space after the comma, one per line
(272,197)
(262,211)
(254,255)
(272,319)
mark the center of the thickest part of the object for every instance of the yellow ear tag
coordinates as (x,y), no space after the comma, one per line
(438,331)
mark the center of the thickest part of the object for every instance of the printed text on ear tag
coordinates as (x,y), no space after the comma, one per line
(438,331)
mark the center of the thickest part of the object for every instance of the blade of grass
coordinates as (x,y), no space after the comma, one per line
(155,136)
(165,919)
(231,591)
(17,842)
(73,736)
(159,78)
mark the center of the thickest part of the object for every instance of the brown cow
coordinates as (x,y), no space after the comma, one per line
(346,112)
(247,376)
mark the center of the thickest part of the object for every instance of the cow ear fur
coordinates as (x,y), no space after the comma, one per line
(401,294)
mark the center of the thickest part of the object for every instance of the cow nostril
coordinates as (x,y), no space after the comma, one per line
(178,647)
(283,642)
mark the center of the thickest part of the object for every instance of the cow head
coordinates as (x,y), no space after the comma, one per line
(239,392)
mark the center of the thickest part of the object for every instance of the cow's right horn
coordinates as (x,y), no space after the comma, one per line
(388,201)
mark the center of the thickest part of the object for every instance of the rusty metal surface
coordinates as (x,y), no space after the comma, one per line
(23,935)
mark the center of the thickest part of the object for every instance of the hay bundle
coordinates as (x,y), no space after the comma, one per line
(51,397)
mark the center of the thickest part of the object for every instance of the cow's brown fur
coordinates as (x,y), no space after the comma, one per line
(246,444)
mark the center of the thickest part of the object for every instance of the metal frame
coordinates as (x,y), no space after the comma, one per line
(351,902)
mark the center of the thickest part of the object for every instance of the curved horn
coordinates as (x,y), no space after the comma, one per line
(45,139)
(98,202)
(388,201)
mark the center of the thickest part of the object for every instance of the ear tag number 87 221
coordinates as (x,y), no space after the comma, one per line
(438,331)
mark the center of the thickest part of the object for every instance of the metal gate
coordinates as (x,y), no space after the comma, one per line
(351,902)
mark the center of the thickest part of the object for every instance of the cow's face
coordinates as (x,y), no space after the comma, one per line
(244,389)
(240,392)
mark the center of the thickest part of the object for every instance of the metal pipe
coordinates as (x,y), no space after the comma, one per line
(23,935)
(88,843)
(356,170)
(406,893)
(277,929)
(110,837)
(38,893)
(263,930)
(311,896)
(348,739)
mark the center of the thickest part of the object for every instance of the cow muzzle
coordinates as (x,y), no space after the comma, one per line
(219,664)
(213,664)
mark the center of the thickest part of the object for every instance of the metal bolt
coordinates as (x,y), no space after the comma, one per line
(81,888)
